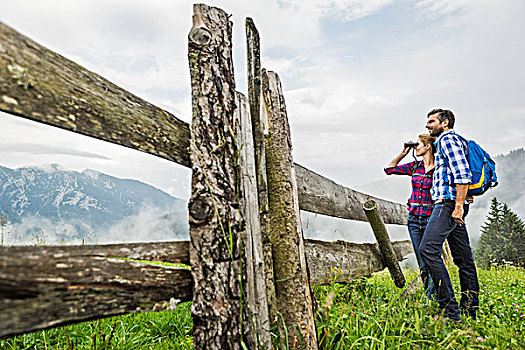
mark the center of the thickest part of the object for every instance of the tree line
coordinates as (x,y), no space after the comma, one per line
(502,238)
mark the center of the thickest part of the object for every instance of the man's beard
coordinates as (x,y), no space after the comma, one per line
(437,131)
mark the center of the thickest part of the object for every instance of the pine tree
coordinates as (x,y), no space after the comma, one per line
(502,237)
(488,240)
(515,241)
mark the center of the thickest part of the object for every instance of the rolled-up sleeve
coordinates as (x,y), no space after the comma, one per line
(454,151)
(403,169)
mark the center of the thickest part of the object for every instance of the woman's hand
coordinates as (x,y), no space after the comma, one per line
(394,162)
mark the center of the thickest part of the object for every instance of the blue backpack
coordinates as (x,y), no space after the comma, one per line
(482,167)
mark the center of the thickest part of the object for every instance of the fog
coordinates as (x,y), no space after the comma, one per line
(150,224)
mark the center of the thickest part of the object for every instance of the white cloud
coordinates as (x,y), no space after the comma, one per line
(346,10)
(436,8)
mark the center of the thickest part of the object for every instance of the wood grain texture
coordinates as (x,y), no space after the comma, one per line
(39,84)
(292,289)
(256,320)
(44,287)
(318,194)
(215,223)
(383,240)
(170,252)
(257,110)
(352,260)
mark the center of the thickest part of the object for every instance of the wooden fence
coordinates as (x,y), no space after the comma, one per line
(248,259)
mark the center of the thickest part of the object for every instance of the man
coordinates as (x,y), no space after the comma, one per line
(449,191)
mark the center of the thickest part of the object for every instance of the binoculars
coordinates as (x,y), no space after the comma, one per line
(411,144)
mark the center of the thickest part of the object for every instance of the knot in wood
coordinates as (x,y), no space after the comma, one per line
(200,210)
(200,36)
(369,205)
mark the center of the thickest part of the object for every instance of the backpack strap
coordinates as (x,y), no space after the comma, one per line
(449,181)
(465,143)
(445,160)
(438,146)
(414,168)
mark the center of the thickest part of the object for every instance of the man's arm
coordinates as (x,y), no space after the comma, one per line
(461,195)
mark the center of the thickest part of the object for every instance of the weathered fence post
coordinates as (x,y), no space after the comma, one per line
(254,96)
(292,286)
(385,246)
(256,319)
(214,203)
(447,254)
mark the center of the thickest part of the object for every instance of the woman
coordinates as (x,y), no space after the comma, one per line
(420,202)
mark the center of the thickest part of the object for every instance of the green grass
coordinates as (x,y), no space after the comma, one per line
(366,314)
(371,314)
(154,330)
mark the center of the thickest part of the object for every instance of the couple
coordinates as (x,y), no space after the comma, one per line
(437,210)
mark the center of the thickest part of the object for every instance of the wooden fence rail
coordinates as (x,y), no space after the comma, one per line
(46,287)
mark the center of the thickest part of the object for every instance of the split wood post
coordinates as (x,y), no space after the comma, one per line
(254,96)
(447,254)
(255,316)
(292,286)
(385,246)
(213,206)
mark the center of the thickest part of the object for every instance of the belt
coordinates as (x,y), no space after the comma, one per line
(428,205)
(444,201)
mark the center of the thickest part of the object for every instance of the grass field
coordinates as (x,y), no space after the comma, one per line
(369,313)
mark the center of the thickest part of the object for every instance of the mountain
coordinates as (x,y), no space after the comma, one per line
(53,205)
(510,169)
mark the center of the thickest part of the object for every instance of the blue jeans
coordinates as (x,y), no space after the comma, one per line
(416,228)
(441,226)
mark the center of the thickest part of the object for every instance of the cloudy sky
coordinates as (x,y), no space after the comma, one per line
(359,76)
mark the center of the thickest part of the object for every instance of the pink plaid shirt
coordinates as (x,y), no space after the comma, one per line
(420,201)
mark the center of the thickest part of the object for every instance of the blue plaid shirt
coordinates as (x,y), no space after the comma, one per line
(451,166)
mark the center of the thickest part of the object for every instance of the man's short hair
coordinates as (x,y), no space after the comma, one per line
(444,114)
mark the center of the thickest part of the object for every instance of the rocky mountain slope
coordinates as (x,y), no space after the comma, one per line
(54,205)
